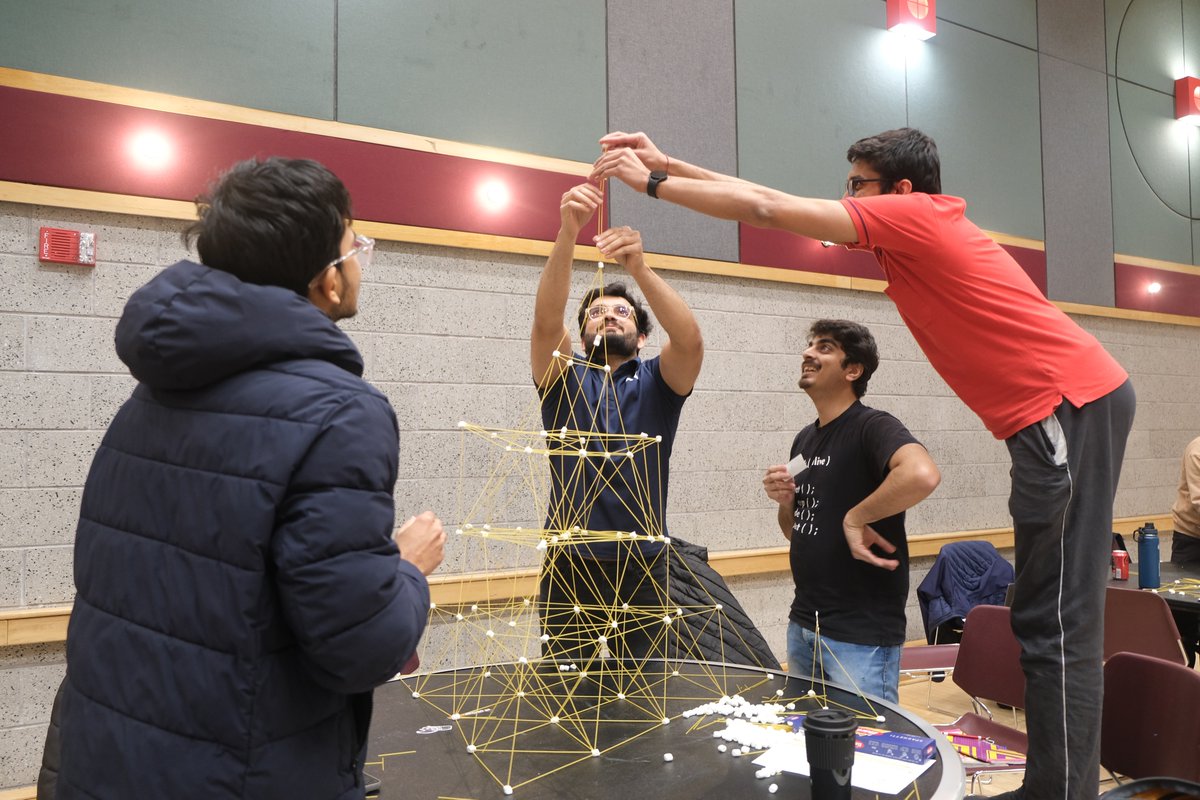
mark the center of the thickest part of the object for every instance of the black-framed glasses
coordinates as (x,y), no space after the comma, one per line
(854,184)
(618,309)
(364,246)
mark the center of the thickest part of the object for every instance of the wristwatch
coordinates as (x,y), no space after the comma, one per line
(656,177)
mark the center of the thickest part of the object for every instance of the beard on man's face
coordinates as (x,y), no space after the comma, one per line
(622,345)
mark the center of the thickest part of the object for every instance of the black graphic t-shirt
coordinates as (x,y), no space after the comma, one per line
(846,461)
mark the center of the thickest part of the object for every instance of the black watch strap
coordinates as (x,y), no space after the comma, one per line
(656,177)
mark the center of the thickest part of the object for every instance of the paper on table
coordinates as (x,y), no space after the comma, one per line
(872,773)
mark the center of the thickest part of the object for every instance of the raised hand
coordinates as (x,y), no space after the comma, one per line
(640,144)
(623,164)
(578,205)
(624,245)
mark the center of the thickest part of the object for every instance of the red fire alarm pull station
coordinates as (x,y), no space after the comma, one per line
(62,246)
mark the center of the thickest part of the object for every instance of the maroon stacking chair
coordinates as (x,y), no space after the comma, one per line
(1138,621)
(930,661)
(1151,722)
(988,668)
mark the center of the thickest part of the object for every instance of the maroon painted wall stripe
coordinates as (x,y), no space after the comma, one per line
(1180,292)
(773,248)
(75,143)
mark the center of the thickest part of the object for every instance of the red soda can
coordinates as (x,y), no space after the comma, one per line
(1120,565)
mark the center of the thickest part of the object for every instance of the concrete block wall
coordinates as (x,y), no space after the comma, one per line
(444,333)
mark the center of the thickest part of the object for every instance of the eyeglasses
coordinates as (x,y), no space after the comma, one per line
(618,309)
(854,184)
(364,246)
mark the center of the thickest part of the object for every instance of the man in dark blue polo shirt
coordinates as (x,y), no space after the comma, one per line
(610,419)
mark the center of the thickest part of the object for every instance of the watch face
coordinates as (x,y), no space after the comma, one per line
(658,175)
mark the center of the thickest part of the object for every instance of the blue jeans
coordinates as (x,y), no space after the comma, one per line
(869,669)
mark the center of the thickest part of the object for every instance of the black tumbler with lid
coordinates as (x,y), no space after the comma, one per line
(829,740)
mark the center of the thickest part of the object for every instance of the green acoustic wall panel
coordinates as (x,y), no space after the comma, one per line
(1192,134)
(1012,20)
(1144,122)
(1195,242)
(978,97)
(1191,66)
(1151,203)
(1145,41)
(811,79)
(1190,40)
(270,54)
(527,75)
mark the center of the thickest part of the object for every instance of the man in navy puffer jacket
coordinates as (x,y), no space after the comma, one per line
(239,591)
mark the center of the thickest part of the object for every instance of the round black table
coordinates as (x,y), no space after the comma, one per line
(533,726)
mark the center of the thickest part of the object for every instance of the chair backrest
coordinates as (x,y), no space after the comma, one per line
(1140,622)
(988,666)
(1151,724)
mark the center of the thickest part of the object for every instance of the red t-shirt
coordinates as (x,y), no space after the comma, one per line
(1003,348)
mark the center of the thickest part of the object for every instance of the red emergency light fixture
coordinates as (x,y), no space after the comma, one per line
(1187,100)
(916,19)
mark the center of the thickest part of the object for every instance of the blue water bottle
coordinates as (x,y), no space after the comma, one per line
(1147,541)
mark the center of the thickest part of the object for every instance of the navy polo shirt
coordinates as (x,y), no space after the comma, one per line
(619,415)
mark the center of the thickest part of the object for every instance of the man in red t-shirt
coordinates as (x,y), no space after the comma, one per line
(1060,402)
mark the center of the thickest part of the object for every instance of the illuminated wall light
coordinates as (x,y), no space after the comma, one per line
(151,150)
(913,18)
(1187,100)
(493,195)
(1154,288)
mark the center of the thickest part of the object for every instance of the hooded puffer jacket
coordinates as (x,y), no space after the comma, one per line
(238,591)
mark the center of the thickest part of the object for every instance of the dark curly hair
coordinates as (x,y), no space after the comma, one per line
(856,342)
(617,289)
(276,222)
(899,154)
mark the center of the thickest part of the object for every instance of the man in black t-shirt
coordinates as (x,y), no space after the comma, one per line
(842,500)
